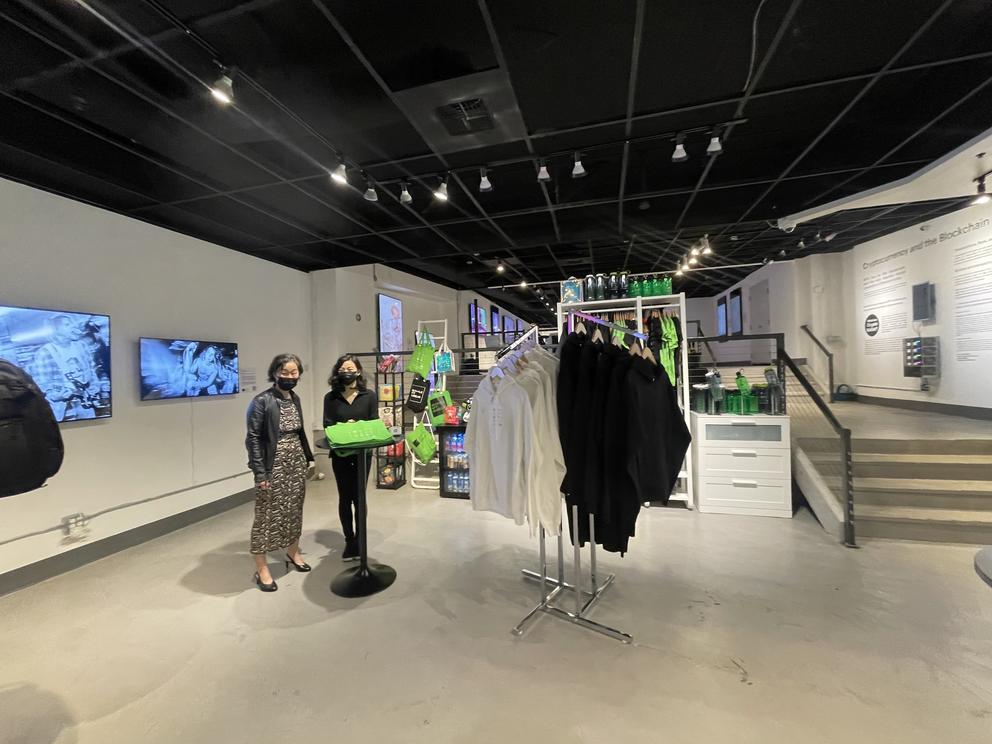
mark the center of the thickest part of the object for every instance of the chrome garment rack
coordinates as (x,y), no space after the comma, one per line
(531,334)
(585,599)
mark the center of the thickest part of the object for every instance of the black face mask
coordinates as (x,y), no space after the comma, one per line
(346,378)
(286,383)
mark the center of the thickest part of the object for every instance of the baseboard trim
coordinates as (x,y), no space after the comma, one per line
(948,409)
(56,565)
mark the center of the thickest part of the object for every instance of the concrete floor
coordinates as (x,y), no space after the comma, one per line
(746,630)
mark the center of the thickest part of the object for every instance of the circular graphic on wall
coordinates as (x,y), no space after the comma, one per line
(871,324)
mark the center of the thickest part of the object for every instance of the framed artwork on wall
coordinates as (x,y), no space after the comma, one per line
(736,313)
(390,323)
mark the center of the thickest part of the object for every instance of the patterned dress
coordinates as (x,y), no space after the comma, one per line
(279,510)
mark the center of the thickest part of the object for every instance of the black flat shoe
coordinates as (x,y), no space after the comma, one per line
(301,567)
(266,587)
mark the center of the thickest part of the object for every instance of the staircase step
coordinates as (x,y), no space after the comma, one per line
(887,466)
(930,525)
(919,447)
(934,494)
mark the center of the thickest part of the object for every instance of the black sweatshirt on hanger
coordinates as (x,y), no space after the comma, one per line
(568,378)
(579,423)
(595,462)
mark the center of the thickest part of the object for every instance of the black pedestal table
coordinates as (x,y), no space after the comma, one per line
(366,578)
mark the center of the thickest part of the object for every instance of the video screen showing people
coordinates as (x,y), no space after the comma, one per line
(67,354)
(176,368)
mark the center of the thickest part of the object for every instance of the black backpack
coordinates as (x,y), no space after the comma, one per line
(30,442)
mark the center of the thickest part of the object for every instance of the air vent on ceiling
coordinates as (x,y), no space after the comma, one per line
(465,117)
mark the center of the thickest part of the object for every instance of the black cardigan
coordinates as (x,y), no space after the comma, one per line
(337,410)
(263,433)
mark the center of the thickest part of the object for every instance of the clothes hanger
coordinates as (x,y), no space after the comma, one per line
(635,348)
(648,354)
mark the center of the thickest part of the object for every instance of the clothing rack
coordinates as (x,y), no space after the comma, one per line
(530,334)
(599,321)
(639,305)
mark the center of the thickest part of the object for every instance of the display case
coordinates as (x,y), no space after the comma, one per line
(390,462)
(455,472)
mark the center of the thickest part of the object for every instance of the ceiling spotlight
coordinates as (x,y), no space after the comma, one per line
(679,155)
(370,192)
(678,272)
(714,147)
(829,236)
(542,173)
(223,89)
(982,197)
(578,171)
(693,261)
(485,185)
(441,192)
(707,248)
(405,197)
(523,284)
(802,244)
(500,268)
(340,174)
(685,266)
(781,253)
(695,250)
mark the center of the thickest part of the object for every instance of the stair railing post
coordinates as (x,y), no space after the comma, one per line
(847,486)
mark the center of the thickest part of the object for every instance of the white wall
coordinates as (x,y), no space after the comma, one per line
(61,254)
(955,253)
(340,295)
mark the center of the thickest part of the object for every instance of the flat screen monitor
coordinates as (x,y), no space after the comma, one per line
(390,324)
(67,354)
(496,325)
(182,368)
(721,317)
(736,314)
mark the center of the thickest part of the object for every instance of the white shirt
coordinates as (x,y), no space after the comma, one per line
(499,440)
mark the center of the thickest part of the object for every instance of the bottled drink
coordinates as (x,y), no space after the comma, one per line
(655,286)
(623,285)
(635,287)
(613,286)
(449,482)
(589,287)
(600,286)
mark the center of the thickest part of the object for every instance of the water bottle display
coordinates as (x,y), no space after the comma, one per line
(613,286)
(635,288)
(455,481)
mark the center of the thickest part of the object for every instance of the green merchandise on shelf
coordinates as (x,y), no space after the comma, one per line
(750,403)
(634,288)
(666,286)
(742,384)
(655,286)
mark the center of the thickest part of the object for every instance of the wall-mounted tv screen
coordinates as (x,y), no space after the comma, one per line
(180,368)
(67,354)
(390,324)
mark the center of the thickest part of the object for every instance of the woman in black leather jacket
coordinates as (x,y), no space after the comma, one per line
(279,455)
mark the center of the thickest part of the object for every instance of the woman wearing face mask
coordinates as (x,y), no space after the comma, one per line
(280,457)
(349,400)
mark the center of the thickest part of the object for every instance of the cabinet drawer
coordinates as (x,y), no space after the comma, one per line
(761,432)
(770,497)
(745,461)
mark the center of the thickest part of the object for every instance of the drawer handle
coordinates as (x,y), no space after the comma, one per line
(743,423)
(745,483)
(744,453)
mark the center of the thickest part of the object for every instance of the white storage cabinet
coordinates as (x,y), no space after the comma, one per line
(742,464)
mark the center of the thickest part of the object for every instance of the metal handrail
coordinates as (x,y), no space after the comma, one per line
(778,338)
(847,479)
(830,359)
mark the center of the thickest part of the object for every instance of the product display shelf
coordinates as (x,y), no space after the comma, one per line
(453,462)
(390,462)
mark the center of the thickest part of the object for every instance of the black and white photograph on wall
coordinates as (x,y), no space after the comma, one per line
(67,354)
(177,368)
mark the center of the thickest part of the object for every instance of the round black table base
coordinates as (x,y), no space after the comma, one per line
(356,582)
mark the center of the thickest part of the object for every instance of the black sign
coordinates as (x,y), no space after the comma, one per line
(871,325)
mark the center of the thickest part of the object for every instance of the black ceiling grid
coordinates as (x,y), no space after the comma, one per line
(842,97)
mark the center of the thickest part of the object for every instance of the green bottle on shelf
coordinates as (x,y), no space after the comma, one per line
(655,288)
(635,287)
(666,286)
